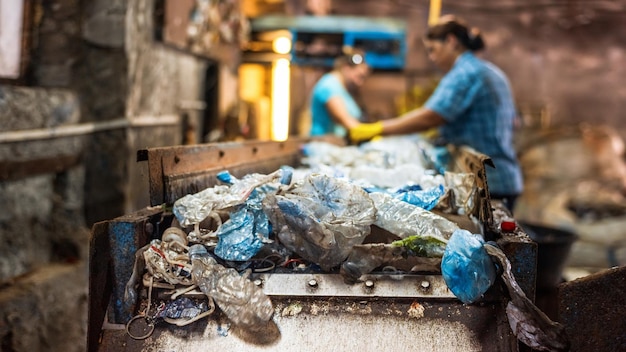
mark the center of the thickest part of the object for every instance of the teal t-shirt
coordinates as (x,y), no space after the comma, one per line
(322,123)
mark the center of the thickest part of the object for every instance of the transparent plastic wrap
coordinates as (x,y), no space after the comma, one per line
(244,234)
(364,258)
(321,218)
(388,177)
(316,153)
(193,208)
(464,189)
(247,230)
(240,299)
(404,219)
(398,150)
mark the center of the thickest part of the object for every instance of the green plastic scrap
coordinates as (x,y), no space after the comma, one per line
(422,246)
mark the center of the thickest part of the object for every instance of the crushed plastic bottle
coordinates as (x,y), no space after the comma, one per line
(240,299)
(321,218)
(466,267)
(404,219)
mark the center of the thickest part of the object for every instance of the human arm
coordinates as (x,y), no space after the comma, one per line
(417,120)
(337,109)
(413,121)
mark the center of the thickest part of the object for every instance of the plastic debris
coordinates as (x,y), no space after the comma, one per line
(422,246)
(248,228)
(424,198)
(529,324)
(193,208)
(364,258)
(466,267)
(405,220)
(388,177)
(321,218)
(464,189)
(183,308)
(242,301)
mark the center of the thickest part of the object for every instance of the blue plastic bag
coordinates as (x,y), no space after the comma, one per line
(425,199)
(248,229)
(466,267)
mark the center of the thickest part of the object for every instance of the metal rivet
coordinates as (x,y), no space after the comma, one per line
(425,284)
(369,283)
(313,283)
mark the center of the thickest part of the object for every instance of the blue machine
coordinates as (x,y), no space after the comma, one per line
(318,40)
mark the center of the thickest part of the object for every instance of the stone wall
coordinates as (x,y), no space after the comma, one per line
(100,88)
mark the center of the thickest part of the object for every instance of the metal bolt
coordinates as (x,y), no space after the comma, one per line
(425,284)
(369,283)
(313,283)
(148,228)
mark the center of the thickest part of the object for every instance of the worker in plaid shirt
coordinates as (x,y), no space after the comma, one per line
(472,105)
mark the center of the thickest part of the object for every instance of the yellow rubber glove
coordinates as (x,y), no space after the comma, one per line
(366,131)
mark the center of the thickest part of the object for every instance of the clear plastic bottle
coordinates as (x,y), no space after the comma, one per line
(241,300)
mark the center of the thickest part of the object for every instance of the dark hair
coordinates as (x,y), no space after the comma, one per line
(468,37)
(350,57)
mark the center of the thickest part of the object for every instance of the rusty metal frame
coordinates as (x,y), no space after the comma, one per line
(177,171)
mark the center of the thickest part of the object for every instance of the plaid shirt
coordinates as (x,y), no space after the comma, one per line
(475,99)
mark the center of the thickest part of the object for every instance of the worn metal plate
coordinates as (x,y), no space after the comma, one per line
(333,285)
(592,309)
(177,171)
(339,325)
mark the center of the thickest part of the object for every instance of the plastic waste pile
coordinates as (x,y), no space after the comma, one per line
(316,218)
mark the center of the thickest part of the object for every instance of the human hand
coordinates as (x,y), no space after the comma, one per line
(366,131)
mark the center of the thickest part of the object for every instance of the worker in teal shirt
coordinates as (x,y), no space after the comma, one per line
(473,105)
(333,107)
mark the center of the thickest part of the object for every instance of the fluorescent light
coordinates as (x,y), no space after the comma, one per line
(280,99)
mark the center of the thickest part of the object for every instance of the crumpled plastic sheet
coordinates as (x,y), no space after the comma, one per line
(399,150)
(466,267)
(248,228)
(244,234)
(388,177)
(464,188)
(321,218)
(404,219)
(183,307)
(240,299)
(364,258)
(424,198)
(316,153)
(193,208)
